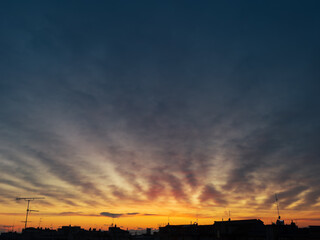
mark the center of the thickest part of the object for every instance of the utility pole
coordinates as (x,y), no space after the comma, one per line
(28,209)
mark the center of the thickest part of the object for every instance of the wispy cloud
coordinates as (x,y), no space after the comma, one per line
(117,215)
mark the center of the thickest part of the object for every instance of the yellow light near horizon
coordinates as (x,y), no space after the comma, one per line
(12,213)
(135,222)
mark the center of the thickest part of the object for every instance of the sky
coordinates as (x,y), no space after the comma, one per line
(140,113)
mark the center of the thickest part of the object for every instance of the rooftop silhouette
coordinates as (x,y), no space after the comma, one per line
(219,230)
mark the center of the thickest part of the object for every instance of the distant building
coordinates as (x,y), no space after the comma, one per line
(186,232)
(117,233)
(239,230)
(147,236)
(253,229)
(67,233)
(291,232)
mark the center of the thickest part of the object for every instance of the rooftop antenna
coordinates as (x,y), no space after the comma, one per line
(40,220)
(28,209)
(279,221)
(277,202)
(13,224)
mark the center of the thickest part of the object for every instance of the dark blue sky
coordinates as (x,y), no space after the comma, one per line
(207,103)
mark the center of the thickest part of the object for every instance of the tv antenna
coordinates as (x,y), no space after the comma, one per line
(28,209)
(277,202)
(40,220)
(13,224)
(279,221)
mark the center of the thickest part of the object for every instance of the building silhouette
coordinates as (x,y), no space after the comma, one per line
(253,229)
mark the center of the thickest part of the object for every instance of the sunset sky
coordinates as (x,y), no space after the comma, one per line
(142,112)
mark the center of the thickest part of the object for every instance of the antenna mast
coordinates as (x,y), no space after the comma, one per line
(28,209)
(277,205)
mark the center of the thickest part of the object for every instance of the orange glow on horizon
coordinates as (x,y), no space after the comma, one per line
(11,216)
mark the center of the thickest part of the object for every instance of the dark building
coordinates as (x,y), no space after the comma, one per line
(117,233)
(67,233)
(220,230)
(253,229)
(292,232)
(186,232)
(314,232)
(147,236)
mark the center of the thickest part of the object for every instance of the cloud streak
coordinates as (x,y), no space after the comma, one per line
(118,215)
